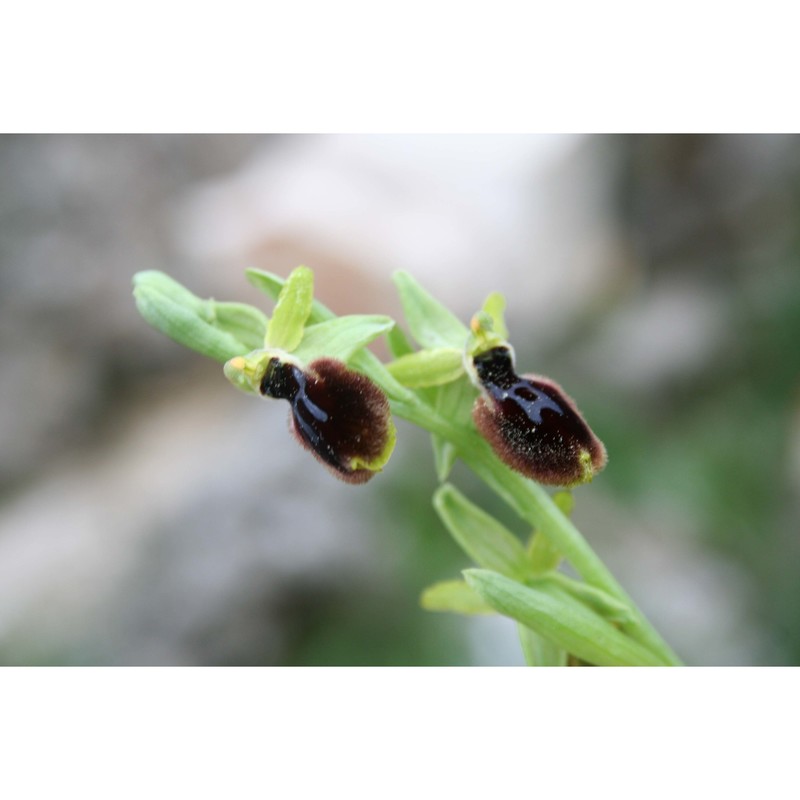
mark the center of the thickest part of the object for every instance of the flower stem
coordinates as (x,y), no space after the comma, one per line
(537,508)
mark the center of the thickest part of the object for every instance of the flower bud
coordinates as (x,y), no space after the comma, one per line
(532,425)
(341,416)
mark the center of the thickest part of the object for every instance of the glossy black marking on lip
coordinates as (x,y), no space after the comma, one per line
(336,413)
(532,424)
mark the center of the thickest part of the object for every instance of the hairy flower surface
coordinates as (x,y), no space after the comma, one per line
(532,425)
(341,416)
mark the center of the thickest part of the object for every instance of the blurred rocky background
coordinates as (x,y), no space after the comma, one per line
(150,514)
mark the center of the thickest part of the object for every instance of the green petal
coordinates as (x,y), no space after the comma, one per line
(494,306)
(428,367)
(285,330)
(272,284)
(485,540)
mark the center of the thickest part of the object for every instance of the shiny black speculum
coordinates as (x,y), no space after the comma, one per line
(532,425)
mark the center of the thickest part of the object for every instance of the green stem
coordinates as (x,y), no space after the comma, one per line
(537,508)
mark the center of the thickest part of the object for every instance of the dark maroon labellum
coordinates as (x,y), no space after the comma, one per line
(532,425)
(341,416)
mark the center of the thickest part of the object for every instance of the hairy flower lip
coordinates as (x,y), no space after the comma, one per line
(339,415)
(532,425)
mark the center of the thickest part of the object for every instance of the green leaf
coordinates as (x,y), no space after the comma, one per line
(428,367)
(272,284)
(245,322)
(553,613)
(285,330)
(430,323)
(176,312)
(485,540)
(455,597)
(539,651)
(341,337)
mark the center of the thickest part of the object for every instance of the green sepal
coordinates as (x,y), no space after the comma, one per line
(485,540)
(341,337)
(186,318)
(285,329)
(430,323)
(553,613)
(454,597)
(433,367)
(540,651)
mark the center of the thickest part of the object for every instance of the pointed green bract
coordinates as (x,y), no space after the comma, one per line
(539,651)
(454,597)
(285,329)
(485,540)
(430,323)
(185,318)
(561,619)
(428,367)
(602,602)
